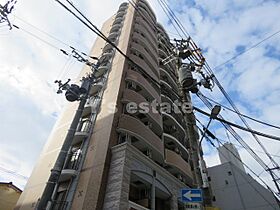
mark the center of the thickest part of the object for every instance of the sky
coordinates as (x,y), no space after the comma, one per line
(222,29)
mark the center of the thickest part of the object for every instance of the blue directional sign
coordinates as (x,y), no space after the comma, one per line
(191,195)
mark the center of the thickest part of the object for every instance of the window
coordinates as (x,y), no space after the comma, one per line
(229,173)
(226,181)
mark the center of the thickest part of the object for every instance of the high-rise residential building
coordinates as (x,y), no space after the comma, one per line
(229,153)
(123,157)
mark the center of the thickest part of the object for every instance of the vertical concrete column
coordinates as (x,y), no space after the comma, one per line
(117,190)
(174,202)
(153,195)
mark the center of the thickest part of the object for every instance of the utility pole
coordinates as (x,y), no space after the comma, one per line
(185,50)
(5,11)
(73,93)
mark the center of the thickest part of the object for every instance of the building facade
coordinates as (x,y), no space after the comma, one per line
(124,158)
(233,188)
(229,153)
(9,195)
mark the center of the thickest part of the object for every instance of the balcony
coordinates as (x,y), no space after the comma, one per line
(121,13)
(148,33)
(178,165)
(118,20)
(108,48)
(67,174)
(148,10)
(176,111)
(146,17)
(71,166)
(79,137)
(135,57)
(137,38)
(140,21)
(82,132)
(145,5)
(167,90)
(148,89)
(166,76)
(145,138)
(171,143)
(101,70)
(162,31)
(116,28)
(153,64)
(95,88)
(171,125)
(59,205)
(123,7)
(155,118)
(113,35)
(90,107)
(135,206)
(168,67)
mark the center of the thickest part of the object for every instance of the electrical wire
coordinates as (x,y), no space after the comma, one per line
(246,116)
(94,29)
(100,34)
(177,21)
(247,50)
(167,12)
(37,37)
(258,151)
(240,116)
(239,139)
(238,126)
(53,37)
(204,130)
(13,173)
(65,52)
(210,72)
(244,175)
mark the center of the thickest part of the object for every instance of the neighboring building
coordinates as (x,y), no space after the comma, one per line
(123,160)
(9,195)
(228,153)
(234,189)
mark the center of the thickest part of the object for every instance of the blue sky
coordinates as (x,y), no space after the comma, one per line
(29,103)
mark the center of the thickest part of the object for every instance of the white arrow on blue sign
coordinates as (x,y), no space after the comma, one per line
(191,195)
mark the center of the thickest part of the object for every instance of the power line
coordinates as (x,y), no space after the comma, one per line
(210,72)
(239,127)
(167,12)
(243,175)
(37,37)
(74,53)
(251,118)
(250,48)
(100,34)
(239,139)
(275,155)
(53,37)
(207,68)
(258,151)
(13,173)
(94,29)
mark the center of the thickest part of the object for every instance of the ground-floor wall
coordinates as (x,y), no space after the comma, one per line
(131,169)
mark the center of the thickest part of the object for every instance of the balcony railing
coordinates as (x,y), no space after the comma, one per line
(175,160)
(59,205)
